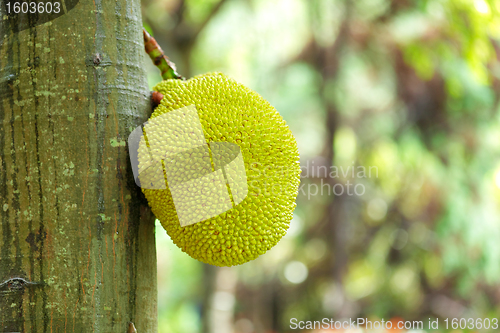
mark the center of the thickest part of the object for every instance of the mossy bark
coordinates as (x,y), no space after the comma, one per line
(77,246)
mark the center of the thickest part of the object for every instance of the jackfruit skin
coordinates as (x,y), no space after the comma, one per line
(231,112)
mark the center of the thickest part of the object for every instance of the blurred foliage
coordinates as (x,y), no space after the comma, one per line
(406,89)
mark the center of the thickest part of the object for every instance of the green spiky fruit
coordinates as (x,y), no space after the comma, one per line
(230,112)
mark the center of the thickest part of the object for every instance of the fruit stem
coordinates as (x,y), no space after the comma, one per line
(156,98)
(167,67)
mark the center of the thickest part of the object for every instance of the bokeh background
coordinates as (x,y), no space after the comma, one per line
(406,90)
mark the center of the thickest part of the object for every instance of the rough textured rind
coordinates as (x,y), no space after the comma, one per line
(230,112)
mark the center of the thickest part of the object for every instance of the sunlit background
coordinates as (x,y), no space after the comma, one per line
(406,94)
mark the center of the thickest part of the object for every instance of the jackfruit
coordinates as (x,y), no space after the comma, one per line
(259,213)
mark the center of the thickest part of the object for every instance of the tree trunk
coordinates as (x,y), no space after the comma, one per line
(77,245)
